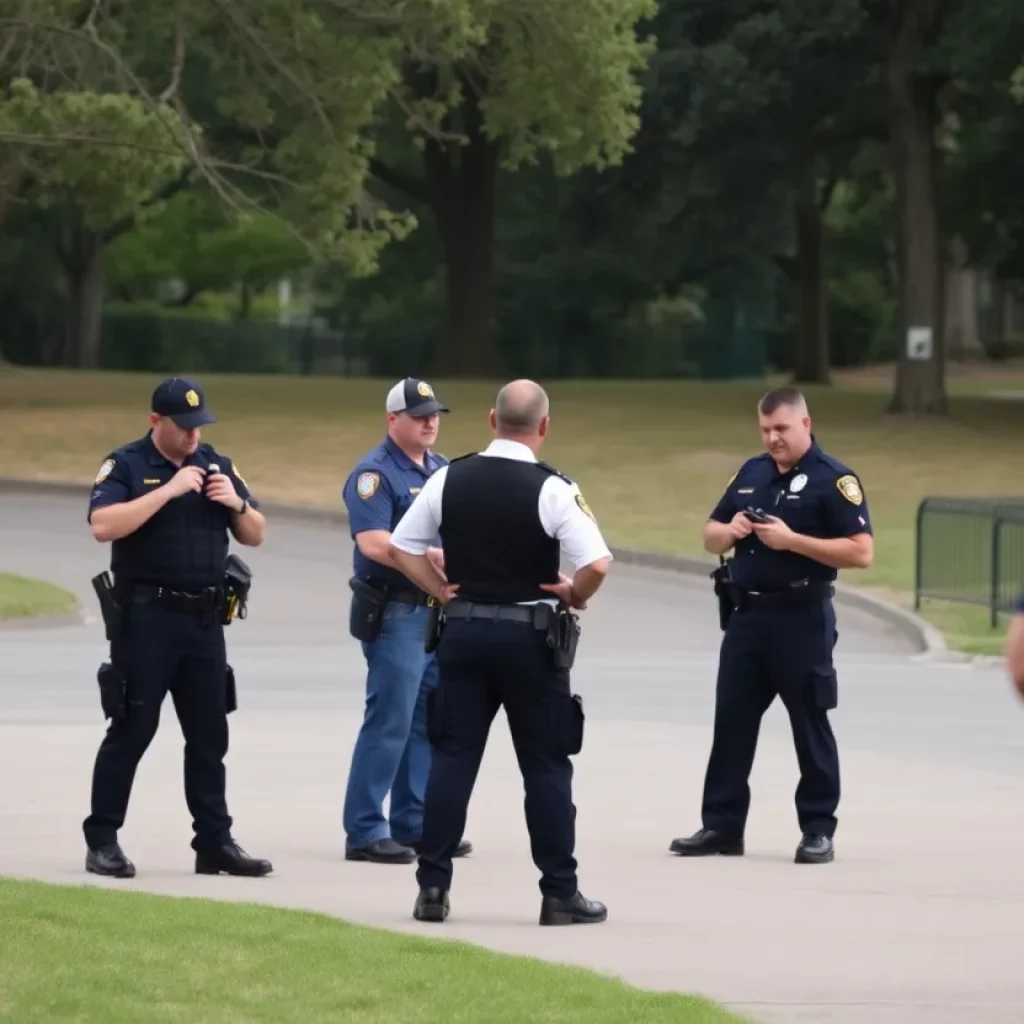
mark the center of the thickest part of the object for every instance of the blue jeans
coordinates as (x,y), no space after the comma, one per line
(392,753)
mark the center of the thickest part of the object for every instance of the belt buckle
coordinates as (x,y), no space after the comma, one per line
(431,601)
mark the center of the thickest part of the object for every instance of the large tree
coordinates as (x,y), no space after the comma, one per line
(543,81)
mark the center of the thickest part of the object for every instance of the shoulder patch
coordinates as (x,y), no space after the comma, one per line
(555,472)
(367,484)
(104,471)
(584,507)
(234,469)
(849,488)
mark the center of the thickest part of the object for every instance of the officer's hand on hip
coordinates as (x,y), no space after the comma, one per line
(774,534)
(564,592)
(188,478)
(221,490)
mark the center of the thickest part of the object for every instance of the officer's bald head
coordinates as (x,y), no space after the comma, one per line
(521,412)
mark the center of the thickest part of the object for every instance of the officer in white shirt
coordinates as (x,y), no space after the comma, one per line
(506,521)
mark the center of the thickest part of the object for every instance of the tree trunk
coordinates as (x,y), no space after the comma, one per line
(461,184)
(812,342)
(83,263)
(920,371)
(245,301)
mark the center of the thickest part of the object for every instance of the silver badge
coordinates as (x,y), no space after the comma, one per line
(798,483)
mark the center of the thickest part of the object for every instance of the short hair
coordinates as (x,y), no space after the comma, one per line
(786,394)
(520,407)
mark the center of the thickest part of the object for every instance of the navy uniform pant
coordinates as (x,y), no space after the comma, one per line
(484,665)
(768,652)
(161,651)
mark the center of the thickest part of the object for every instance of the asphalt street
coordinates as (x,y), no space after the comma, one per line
(919,918)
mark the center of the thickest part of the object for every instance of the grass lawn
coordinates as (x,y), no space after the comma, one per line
(21,597)
(651,457)
(83,954)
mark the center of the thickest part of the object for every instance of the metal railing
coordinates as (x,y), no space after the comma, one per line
(970,551)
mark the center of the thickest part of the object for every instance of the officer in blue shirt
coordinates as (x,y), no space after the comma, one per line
(389,616)
(166,503)
(794,516)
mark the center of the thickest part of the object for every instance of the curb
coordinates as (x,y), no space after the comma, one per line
(919,632)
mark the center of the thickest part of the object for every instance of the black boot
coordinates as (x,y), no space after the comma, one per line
(815,849)
(232,860)
(431,905)
(381,851)
(109,860)
(575,910)
(706,842)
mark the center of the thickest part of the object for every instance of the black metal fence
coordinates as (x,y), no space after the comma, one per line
(971,551)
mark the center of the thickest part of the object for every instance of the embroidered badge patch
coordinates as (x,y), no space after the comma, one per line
(367,484)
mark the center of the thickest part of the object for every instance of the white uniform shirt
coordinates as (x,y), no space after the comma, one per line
(560,506)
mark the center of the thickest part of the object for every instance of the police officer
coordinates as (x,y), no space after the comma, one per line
(166,503)
(392,753)
(795,515)
(505,520)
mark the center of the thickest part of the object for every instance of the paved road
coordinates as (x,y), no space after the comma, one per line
(904,926)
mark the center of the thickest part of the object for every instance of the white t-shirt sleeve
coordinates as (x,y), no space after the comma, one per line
(417,529)
(565,516)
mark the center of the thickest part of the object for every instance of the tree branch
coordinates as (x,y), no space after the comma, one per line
(179,60)
(827,191)
(165,191)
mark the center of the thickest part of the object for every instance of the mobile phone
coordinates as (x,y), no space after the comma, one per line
(755,515)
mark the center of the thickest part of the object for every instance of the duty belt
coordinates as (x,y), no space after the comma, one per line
(796,595)
(191,602)
(538,615)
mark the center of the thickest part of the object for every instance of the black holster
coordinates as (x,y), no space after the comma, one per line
(230,692)
(113,692)
(435,627)
(723,591)
(110,608)
(236,586)
(563,636)
(366,612)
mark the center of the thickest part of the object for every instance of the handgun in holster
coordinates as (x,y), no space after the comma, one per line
(435,626)
(724,592)
(236,585)
(564,636)
(110,607)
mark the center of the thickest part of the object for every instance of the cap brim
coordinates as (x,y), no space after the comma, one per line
(191,420)
(426,409)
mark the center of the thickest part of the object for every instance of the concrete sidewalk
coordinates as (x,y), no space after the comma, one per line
(910,924)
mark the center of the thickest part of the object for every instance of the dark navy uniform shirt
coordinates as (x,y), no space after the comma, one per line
(377,493)
(185,544)
(818,497)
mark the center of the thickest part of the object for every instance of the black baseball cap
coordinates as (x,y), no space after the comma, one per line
(183,402)
(414,397)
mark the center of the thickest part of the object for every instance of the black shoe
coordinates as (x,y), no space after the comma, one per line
(109,860)
(232,860)
(431,905)
(576,910)
(706,842)
(381,851)
(815,849)
(464,848)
